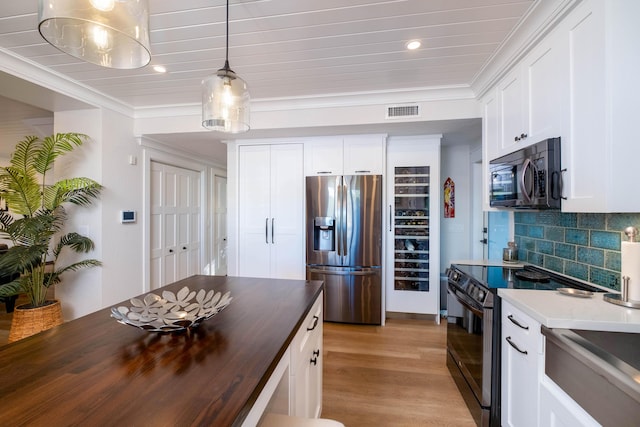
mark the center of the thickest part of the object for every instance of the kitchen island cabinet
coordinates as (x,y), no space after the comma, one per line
(547,403)
(95,371)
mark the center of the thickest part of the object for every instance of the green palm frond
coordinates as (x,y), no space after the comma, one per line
(6,219)
(25,154)
(79,191)
(76,242)
(10,289)
(85,263)
(20,189)
(54,146)
(21,258)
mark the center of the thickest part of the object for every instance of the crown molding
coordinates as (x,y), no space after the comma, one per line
(54,91)
(542,17)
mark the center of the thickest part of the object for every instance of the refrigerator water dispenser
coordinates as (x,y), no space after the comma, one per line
(323,233)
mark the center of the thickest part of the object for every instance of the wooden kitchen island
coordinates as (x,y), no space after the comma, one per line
(96,371)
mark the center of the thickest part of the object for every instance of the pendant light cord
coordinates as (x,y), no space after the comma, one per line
(226,57)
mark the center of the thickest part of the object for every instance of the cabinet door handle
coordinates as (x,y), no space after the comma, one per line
(390,217)
(316,354)
(523,135)
(266,230)
(515,322)
(170,251)
(315,323)
(512,344)
(273,224)
(516,139)
(324,172)
(363,171)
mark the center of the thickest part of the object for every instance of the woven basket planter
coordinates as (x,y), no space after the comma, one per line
(30,321)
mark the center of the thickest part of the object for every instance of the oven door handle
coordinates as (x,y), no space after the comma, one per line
(461,298)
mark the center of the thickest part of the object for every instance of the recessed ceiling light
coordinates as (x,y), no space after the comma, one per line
(159,69)
(413,44)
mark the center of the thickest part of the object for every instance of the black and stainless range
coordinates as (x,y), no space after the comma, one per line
(473,328)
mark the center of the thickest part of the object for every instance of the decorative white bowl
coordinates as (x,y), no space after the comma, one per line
(172,312)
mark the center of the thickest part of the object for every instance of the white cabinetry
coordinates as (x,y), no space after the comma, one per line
(348,155)
(295,386)
(490,140)
(306,361)
(271,211)
(580,83)
(531,98)
(412,232)
(511,95)
(522,367)
(558,409)
(599,148)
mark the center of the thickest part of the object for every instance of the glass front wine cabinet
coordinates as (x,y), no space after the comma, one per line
(411,228)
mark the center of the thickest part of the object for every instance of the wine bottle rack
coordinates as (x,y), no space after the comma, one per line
(411,228)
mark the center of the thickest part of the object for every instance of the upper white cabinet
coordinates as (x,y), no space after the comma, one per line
(512,107)
(580,83)
(271,211)
(348,155)
(599,148)
(529,100)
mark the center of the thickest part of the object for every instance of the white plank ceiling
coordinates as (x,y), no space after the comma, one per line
(286,48)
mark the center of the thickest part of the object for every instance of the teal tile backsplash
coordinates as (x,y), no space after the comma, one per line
(585,246)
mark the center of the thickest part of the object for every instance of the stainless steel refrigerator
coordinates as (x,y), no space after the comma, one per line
(344,245)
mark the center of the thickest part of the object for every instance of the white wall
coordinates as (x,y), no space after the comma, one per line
(455,233)
(119,246)
(81,292)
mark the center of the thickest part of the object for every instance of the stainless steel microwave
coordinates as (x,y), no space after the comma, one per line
(529,178)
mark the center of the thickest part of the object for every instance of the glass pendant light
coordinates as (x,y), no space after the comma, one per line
(109,33)
(225,98)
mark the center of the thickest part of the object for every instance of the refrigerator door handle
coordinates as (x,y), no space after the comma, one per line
(273,226)
(339,219)
(345,206)
(371,272)
(266,230)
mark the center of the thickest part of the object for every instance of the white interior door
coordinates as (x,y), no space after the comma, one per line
(175,224)
(220,226)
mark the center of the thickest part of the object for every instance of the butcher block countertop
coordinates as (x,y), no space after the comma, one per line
(96,371)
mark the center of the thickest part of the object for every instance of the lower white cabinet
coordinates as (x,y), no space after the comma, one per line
(295,386)
(306,359)
(529,397)
(558,409)
(522,367)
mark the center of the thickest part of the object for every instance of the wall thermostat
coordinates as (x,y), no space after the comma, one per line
(127,216)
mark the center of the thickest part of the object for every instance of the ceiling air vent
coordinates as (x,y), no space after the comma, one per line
(399,111)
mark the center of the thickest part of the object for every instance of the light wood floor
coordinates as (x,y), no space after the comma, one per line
(394,375)
(391,376)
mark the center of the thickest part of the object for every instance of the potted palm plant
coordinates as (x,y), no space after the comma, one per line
(34,223)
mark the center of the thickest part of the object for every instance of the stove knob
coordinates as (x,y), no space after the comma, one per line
(472,290)
(481,295)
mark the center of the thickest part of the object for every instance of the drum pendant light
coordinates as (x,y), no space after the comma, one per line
(225,98)
(109,33)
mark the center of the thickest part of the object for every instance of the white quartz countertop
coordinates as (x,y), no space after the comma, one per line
(555,310)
